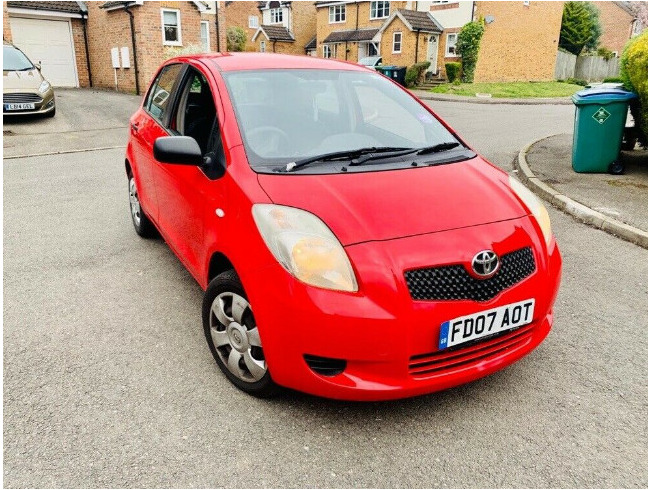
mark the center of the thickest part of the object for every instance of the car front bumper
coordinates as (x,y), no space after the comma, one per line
(45,105)
(381,332)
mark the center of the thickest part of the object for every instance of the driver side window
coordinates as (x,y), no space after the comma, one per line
(196,114)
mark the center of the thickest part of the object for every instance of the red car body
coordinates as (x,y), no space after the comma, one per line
(388,223)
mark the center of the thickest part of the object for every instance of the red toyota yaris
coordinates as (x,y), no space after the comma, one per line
(349,243)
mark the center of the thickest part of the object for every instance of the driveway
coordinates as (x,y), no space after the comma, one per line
(108,380)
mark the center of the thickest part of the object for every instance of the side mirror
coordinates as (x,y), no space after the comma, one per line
(181,150)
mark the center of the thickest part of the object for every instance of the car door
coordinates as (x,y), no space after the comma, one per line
(147,125)
(188,195)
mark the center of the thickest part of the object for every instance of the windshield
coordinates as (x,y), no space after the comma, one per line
(14,60)
(289,115)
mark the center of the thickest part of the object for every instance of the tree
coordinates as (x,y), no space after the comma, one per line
(467,46)
(577,25)
(235,39)
(596,29)
(634,72)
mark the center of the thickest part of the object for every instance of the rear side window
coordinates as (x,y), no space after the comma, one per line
(158,98)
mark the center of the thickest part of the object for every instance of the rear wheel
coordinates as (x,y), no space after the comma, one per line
(143,226)
(232,335)
(616,168)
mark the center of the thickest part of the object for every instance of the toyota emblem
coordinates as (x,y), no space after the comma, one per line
(485,264)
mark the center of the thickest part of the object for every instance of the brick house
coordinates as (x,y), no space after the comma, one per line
(520,42)
(618,21)
(408,37)
(347,30)
(278,27)
(118,44)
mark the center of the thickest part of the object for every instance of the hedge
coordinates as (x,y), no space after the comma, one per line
(415,73)
(453,71)
(468,43)
(634,73)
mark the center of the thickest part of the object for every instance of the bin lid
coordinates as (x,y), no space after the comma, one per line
(602,96)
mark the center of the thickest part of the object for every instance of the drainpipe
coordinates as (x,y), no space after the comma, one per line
(216,27)
(84,20)
(135,54)
(274,41)
(417,43)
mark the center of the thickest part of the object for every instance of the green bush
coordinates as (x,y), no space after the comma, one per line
(634,73)
(235,39)
(467,46)
(579,27)
(453,71)
(604,52)
(577,81)
(415,73)
(613,80)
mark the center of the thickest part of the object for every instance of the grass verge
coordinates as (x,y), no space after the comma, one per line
(510,90)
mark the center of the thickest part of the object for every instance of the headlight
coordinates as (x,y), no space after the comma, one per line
(305,247)
(535,206)
(45,86)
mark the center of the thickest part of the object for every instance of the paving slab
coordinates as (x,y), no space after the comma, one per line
(622,198)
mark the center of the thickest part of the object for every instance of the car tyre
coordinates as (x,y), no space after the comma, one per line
(232,335)
(142,224)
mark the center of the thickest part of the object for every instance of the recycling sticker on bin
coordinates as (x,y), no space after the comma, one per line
(601,115)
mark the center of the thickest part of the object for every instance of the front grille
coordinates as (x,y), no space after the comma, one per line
(453,282)
(21,99)
(325,366)
(481,350)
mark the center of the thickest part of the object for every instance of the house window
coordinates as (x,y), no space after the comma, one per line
(337,14)
(451,44)
(276,16)
(442,2)
(262,46)
(171,27)
(329,50)
(379,10)
(397,42)
(205,35)
(253,22)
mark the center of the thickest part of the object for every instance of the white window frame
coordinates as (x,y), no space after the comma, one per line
(341,12)
(276,13)
(374,7)
(207,33)
(178,25)
(253,22)
(332,50)
(262,46)
(401,38)
(447,46)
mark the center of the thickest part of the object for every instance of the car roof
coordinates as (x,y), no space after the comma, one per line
(267,61)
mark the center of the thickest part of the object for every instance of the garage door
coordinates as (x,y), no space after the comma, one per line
(50,42)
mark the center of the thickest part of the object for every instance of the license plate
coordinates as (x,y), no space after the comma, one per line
(471,327)
(18,107)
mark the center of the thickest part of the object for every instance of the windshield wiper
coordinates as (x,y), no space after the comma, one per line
(337,155)
(449,145)
(420,151)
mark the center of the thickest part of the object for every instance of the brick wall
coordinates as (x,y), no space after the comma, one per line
(521,43)
(237,14)
(80,52)
(616,24)
(6,27)
(303,19)
(112,29)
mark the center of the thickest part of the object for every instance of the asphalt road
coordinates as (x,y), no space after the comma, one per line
(108,380)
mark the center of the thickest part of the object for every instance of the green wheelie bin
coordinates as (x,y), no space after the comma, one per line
(598,129)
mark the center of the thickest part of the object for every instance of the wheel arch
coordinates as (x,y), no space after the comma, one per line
(218,264)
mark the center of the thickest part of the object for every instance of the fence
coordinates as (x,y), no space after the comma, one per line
(590,68)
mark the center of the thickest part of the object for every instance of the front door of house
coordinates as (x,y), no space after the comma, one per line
(432,53)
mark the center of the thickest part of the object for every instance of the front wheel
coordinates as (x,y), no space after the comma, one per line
(616,168)
(233,337)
